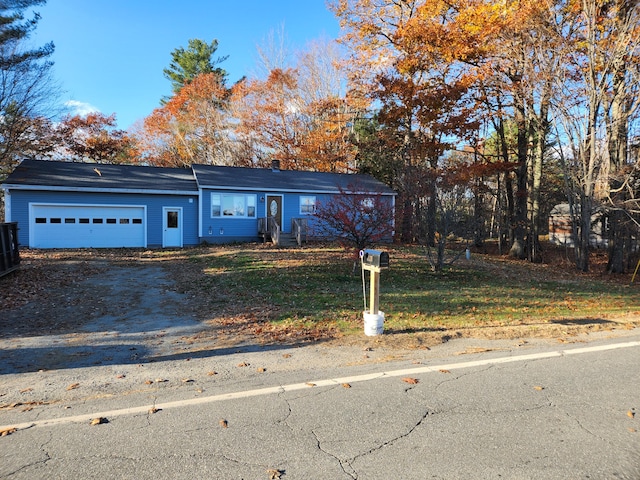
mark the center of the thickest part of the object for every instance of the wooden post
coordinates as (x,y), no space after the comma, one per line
(374,295)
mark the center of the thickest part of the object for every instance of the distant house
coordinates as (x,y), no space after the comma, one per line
(561,227)
(76,205)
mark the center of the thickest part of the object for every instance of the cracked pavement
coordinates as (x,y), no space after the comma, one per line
(472,416)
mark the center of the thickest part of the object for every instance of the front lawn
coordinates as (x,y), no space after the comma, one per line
(312,293)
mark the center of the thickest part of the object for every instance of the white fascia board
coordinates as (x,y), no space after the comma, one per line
(280,190)
(98,190)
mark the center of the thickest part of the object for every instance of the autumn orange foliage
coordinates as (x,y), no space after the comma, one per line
(192,127)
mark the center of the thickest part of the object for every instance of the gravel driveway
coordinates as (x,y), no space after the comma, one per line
(119,314)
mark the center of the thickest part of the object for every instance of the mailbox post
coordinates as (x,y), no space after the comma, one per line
(374,261)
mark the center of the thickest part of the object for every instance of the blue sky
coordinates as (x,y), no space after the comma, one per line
(110,53)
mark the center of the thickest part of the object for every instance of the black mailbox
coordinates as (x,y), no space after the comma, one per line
(375,259)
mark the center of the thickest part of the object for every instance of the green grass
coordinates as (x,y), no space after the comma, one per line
(315,288)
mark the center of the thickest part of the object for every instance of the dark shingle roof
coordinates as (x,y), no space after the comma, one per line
(43,173)
(99,177)
(266,179)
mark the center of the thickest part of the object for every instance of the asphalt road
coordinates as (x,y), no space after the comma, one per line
(504,410)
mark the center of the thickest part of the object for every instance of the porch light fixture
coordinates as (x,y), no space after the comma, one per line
(221,231)
(210,230)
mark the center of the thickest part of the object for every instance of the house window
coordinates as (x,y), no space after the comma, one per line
(307,205)
(367,204)
(216,205)
(241,206)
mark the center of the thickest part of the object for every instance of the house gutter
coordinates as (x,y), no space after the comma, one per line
(41,188)
(280,190)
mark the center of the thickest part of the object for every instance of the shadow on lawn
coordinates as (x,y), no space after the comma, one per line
(454,332)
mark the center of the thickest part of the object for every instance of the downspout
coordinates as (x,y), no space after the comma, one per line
(199,214)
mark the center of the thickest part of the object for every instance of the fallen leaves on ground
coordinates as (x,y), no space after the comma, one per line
(73,386)
(274,474)
(412,381)
(8,431)
(346,385)
(538,387)
(11,406)
(631,414)
(224,423)
(98,421)
(471,350)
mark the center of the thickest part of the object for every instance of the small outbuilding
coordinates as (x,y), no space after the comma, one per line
(561,221)
(78,205)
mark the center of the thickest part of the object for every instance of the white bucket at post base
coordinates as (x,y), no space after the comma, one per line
(373,324)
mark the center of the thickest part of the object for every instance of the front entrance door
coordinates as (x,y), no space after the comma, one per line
(172,227)
(274,208)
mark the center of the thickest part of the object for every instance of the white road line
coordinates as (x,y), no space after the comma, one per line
(318,383)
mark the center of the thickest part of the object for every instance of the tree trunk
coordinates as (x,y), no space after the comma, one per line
(584,234)
(617,140)
(520,218)
(478,215)
(431,216)
(617,236)
(535,178)
(406,233)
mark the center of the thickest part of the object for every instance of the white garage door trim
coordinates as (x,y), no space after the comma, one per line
(72,225)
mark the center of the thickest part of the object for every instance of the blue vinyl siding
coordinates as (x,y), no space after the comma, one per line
(246,229)
(20,200)
(230,229)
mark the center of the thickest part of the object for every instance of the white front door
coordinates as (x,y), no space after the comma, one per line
(172,226)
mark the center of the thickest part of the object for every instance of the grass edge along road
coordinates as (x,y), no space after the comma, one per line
(312,293)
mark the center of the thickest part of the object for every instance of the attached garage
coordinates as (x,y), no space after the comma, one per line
(85,226)
(89,205)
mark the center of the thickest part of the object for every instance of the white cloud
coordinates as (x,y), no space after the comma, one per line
(80,108)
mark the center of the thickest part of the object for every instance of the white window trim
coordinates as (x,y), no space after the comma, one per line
(315,202)
(246,197)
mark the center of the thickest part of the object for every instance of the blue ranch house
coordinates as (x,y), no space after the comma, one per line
(78,205)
